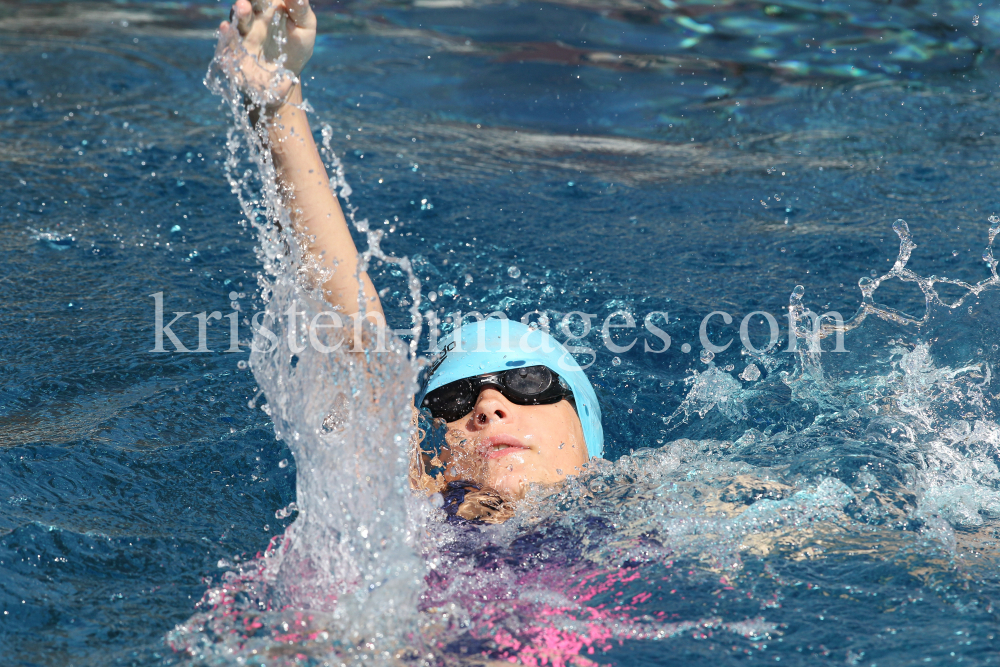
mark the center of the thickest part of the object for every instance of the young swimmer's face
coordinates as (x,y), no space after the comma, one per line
(506,446)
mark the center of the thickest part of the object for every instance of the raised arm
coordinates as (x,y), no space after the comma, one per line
(266,30)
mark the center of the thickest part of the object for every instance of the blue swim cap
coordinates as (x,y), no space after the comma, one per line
(493,345)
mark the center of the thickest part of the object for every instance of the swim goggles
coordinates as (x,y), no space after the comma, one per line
(531,385)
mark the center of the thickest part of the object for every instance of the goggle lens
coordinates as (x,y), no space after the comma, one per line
(529,381)
(532,385)
(452,401)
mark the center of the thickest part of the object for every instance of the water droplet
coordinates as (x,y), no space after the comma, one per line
(432,296)
(175,229)
(707,356)
(559,471)
(468,278)
(685,348)
(616,361)
(597,486)
(241,364)
(514,272)
(286,511)
(283,463)
(750,373)
(975,20)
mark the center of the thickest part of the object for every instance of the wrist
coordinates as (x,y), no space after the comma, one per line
(292,99)
(267,113)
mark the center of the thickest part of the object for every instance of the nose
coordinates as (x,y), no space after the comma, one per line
(491,406)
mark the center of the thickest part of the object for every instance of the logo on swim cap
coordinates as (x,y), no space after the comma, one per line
(440,358)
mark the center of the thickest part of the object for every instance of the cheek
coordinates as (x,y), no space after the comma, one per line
(572,456)
(575,450)
(561,438)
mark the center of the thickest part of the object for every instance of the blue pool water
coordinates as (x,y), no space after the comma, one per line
(682,157)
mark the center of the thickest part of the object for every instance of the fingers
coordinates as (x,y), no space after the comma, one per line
(227,37)
(244,16)
(300,13)
(247,12)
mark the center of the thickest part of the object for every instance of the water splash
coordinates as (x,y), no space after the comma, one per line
(374,236)
(910,410)
(868,286)
(345,578)
(55,240)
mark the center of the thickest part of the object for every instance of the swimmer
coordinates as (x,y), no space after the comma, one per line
(518,408)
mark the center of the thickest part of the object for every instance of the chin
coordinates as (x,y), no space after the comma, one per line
(510,484)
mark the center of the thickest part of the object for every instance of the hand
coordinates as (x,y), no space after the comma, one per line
(271,43)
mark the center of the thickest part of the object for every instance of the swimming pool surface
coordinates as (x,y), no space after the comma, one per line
(676,157)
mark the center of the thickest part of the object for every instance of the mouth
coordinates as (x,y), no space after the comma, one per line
(497,446)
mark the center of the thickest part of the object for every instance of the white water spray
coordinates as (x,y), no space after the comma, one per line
(351,559)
